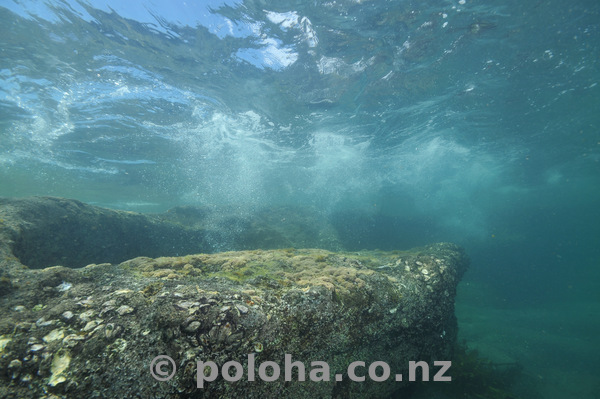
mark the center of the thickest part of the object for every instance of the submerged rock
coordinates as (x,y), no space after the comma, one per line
(47,231)
(251,307)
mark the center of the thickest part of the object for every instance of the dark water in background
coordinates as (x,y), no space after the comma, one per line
(403,122)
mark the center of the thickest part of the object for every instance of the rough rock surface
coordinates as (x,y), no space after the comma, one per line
(94,331)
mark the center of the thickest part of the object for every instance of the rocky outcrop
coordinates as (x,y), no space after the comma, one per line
(49,231)
(94,331)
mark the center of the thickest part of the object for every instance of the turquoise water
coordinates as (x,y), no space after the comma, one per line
(402,123)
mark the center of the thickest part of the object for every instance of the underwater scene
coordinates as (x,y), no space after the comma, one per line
(347,180)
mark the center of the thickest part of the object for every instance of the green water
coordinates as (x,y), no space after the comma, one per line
(402,123)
